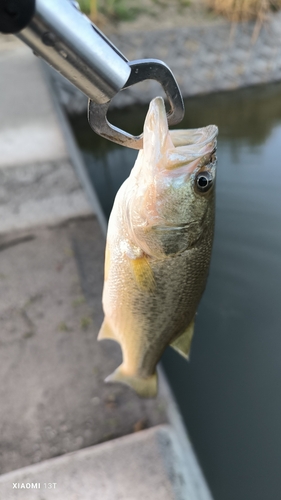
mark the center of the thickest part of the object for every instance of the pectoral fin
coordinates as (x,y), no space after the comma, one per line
(145,387)
(143,274)
(182,344)
(106,332)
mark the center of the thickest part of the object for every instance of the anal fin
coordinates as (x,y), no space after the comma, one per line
(182,344)
(106,332)
(145,387)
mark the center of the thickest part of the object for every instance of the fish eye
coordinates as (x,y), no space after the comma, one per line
(203,181)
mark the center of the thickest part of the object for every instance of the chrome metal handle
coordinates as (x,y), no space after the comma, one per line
(68,41)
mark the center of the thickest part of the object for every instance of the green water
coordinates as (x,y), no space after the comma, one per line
(230,391)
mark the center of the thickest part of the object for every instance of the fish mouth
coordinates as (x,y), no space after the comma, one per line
(195,142)
(192,148)
(187,162)
(196,137)
(168,150)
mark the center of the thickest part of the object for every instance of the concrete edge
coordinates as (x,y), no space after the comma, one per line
(185,449)
(64,459)
(74,153)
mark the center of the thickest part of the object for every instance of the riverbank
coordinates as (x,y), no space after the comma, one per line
(206,57)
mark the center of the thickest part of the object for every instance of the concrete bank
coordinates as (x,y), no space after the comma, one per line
(204,58)
(38,184)
(56,412)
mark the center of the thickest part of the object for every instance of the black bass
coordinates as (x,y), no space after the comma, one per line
(158,251)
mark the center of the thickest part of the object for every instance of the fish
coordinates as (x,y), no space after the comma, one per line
(158,248)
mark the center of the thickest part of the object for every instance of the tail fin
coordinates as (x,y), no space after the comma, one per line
(145,387)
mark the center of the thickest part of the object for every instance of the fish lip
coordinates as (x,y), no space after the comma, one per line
(178,164)
(192,149)
(185,138)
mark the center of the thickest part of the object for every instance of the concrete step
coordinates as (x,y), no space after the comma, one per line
(135,467)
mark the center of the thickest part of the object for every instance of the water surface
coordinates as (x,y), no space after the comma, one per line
(230,391)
